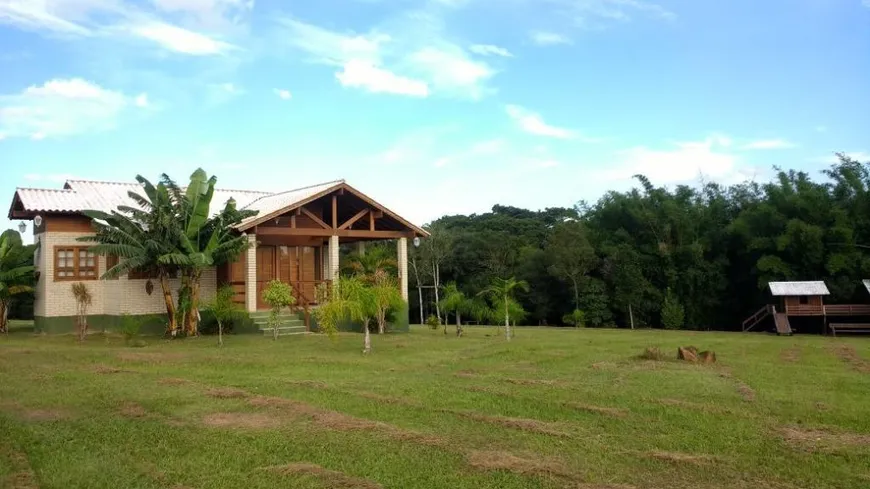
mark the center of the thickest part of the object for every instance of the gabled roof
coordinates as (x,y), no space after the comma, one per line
(82,195)
(779,289)
(866,284)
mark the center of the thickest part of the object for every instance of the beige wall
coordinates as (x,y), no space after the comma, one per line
(111,297)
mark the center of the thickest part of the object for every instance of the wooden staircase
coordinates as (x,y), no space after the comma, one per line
(753,320)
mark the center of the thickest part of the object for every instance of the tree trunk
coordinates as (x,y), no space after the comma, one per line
(220,333)
(170,305)
(368,339)
(446,318)
(193,312)
(458,324)
(436,277)
(4,317)
(382,321)
(576,294)
(507,320)
(419,290)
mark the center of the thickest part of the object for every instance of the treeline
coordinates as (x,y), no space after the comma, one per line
(687,257)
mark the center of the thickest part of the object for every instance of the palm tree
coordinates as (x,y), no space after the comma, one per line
(141,238)
(458,303)
(16,276)
(501,292)
(374,261)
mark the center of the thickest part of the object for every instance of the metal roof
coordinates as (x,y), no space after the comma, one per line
(82,195)
(816,287)
(866,283)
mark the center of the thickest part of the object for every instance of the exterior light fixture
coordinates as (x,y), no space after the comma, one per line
(37,221)
(416,241)
(22,227)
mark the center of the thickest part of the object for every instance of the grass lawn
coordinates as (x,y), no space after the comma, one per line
(553,408)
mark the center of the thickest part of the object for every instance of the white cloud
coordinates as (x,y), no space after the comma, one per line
(480,150)
(180,40)
(142,100)
(411,54)
(211,14)
(219,93)
(127,19)
(333,48)
(543,38)
(364,75)
(490,50)
(283,94)
(769,144)
(532,123)
(685,163)
(61,107)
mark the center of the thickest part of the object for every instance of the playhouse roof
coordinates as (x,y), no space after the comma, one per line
(816,287)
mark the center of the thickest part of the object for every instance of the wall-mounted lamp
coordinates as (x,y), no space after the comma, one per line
(22,228)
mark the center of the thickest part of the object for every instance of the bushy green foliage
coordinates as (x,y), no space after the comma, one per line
(673,315)
(278,296)
(577,318)
(222,313)
(433,322)
(130,326)
(347,300)
(16,274)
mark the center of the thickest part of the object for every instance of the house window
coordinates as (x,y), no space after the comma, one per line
(74,263)
(142,274)
(111,262)
(804,300)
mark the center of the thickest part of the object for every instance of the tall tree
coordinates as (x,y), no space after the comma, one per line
(571,254)
(436,249)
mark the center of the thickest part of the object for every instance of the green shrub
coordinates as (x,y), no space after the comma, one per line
(433,322)
(577,318)
(130,326)
(279,296)
(208,324)
(673,314)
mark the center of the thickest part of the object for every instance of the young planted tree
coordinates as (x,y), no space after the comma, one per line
(501,292)
(458,303)
(673,314)
(278,296)
(84,299)
(571,254)
(387,297)
(417,264)
(16,276)
(224,309)
(349,299)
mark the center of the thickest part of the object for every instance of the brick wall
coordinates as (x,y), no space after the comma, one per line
(110,297)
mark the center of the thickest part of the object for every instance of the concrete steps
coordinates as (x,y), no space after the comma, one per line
(289,324)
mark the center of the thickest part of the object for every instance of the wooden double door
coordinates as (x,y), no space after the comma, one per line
(295,265)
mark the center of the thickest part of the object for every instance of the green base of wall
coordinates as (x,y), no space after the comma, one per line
(152,324)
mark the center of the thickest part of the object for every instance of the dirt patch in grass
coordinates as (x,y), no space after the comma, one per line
(606,411)
(680,458)
(175,381)
(522,424)
(132,410)
(22,476)
(603,365)
(697,406)
(823,439)
(533,382)
(155,357)
(253,421)
(849,355)
(44,414)
(313,384)
(329,478)
(226,393)
(467,374)
(746,392)
(108,369)
(399,401)
(790,355)
(526,464)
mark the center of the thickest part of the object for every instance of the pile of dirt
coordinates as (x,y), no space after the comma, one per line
(692,355)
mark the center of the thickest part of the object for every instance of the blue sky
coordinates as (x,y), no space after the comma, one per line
(431,106)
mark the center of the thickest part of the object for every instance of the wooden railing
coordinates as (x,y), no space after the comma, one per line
(756,318)
(805,310)
(848,310)
(306,296)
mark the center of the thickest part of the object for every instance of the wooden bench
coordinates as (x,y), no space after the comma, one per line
(849,327)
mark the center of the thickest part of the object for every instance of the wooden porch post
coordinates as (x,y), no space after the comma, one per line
(251,275)
(403,267)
